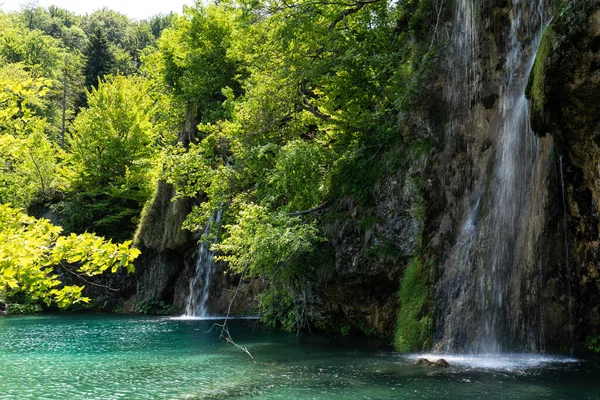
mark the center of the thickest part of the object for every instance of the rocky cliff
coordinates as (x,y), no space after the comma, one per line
(565,89)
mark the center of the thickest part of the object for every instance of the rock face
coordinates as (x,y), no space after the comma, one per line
(568,109)
(167,263)
(165,246)
(492,193)
(369,250)
(516,242)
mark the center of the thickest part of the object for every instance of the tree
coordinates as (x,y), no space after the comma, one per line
(112,23)
(158,23)
(99,57)
(71,87)
(28,159)
(112,149)
(194,59)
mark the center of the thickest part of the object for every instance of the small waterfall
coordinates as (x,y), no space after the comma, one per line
(197,301)
(486,301)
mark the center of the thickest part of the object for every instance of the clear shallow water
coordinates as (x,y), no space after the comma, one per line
(116,357)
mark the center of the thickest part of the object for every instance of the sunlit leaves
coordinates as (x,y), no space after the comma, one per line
(262,243)
(297,177)
(32,252)
(28,164)
(194,54)
(114,132)
(317,86)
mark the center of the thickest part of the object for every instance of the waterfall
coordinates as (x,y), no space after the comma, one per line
(489,293)
(197,301)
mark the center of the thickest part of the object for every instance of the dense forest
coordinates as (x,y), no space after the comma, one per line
(312,136)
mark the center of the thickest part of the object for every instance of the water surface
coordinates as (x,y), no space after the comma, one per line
(118,357)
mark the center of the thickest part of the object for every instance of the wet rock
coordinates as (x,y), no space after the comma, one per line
(441,363)
(423,362)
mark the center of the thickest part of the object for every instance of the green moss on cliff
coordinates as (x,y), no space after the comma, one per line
(536,88)
(414,323)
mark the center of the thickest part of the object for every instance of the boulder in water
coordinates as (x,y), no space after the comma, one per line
(441,363)
(423,362)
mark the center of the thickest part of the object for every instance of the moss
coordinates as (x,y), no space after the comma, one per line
(414,323)
(592,344)
(369,222)
(536,88)
(418,209)
(345,330)
(420,148)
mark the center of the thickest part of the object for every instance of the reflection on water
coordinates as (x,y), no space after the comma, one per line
(117,357)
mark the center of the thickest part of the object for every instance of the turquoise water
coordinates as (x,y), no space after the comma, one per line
(118,357)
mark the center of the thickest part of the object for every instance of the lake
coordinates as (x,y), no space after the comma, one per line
(134,357)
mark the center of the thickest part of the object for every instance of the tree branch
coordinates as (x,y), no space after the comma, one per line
(317,208)
(313,110)
(355,8)
(88,282)
(287,117)
(225,335)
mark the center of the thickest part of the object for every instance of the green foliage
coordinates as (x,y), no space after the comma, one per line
(99,57)
(281,110)
(296,179)
(593,344)
(41,53)
(112,153)
(297,104)
(262,243)
(414,323)
(28,159)
(369,222)
(23,309)
(154,307)
(536,89)
(32,251)
(113,135)
(345,330)
(194,62)
(278,309)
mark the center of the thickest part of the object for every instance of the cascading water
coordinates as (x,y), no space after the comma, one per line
(197,301)
(489,293)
